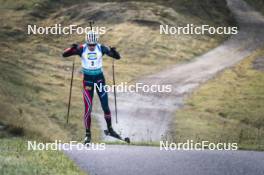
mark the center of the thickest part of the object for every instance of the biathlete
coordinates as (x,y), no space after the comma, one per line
(91,54)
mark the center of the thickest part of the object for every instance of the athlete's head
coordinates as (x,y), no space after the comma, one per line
(91,39)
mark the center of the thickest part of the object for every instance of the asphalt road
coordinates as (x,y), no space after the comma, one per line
(141,160)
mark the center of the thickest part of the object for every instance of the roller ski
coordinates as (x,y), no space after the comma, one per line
(110,132)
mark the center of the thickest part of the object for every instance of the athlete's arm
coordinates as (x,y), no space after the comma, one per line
(110,52)
(75,49)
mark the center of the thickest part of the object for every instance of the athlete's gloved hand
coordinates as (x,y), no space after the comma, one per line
(70,51)
(74,45)
(116,55)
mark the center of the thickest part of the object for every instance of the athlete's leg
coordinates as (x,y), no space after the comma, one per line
(103,96)
(88,90)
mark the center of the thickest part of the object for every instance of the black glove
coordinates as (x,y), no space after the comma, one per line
(115,54)
(74,45)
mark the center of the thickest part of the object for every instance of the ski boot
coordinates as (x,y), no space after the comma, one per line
(87,139)
(112,133)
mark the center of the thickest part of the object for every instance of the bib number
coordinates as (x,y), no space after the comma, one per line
(92,57)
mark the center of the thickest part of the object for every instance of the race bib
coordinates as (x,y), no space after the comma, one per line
(92,60)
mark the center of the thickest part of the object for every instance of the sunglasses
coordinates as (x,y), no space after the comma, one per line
(92,45)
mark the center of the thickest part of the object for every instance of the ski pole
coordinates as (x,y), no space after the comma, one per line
(113,70)
(69,103)
(91,24)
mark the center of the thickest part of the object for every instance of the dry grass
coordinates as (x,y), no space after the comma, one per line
(228,108)
(16,159)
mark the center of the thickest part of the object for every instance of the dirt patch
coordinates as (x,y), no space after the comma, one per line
(11,131)
(153,24)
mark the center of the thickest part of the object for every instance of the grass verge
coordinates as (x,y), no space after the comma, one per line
(16,159)
(229,108)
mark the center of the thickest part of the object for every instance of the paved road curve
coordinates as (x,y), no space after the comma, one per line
(139,160)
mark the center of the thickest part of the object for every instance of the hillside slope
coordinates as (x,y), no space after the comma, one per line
(35,80)
(228,108)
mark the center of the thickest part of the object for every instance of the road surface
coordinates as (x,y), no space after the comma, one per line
(139,160)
